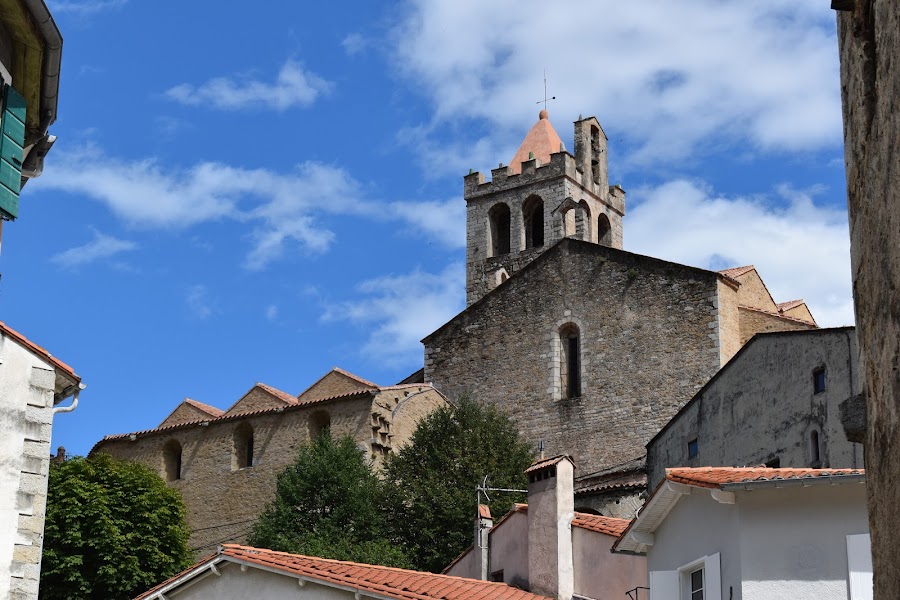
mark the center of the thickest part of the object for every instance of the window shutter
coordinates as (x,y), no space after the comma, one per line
(713,574)
(664,585)
(12,137)
(859,564)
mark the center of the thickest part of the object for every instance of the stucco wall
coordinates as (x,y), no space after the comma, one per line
(762,406)
(223,502)
(632,311)
(26,416)
(793,541)
(601,574)
(869,37)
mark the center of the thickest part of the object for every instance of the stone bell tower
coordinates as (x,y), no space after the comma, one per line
(542,196)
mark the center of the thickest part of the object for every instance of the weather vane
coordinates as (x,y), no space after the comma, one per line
(546,99)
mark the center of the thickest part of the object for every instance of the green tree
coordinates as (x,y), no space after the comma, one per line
(329,503)
(433,479)
(113,530)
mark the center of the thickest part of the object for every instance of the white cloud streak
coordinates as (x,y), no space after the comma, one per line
(801,249)
(402,309)
(85,7)
(101,247)
(282,208)
(293,87)
(198,303)
(670,79)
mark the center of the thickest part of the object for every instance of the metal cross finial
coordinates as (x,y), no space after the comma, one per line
(546,99)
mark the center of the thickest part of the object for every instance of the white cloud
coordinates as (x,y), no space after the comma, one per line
(198,303)
(101,247)
(293,87)
(354,44)
(85,7)
(402,309)
(669,79)
(282,208)
(801,249)
(271,312)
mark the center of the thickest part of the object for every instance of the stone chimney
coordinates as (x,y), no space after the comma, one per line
(483,524)
(551,506)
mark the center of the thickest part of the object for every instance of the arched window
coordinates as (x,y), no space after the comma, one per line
(500,224)
(815,456)
(604,231)
(583,221)
(319,423)
(242,454)
(172,457)
(533,212)
(570,361)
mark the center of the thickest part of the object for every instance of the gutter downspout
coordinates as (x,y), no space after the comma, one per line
(74,405)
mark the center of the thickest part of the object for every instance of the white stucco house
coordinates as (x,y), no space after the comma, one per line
(33,383)
(721,533)
(548,548)
(240,572)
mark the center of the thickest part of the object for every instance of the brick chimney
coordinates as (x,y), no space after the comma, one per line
(551,506)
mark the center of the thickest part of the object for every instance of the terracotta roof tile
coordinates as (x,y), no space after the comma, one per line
(210,410)
(7,330)
(782,306)
(542,140)
(283,396)
(385,581)
(546,462)
(735,272)
(600,524)
(356,377)
(713,477)
(484,511)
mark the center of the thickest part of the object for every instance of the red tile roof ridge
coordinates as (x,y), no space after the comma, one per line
(776,314)
(600,524)
(283,396)
(713,477)
(546,462)
(176,577)
(735,272)
(790,304)
(425,586)
(210,410)
(33,347)
(227,417)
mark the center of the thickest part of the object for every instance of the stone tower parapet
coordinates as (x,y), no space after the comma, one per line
(514,217)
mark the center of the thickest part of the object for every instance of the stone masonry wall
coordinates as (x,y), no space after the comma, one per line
(649,337)
(185,413)
(762,406)
(754,321)
(869,37)
(256,399)
(222,502)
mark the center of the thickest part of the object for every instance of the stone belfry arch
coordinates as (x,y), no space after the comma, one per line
(543,186)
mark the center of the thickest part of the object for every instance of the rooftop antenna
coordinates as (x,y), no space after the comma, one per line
(483,489)
(546,99)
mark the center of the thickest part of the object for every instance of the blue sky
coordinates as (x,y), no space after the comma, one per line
(259,194)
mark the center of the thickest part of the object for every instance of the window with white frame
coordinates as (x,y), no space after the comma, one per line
(695,584)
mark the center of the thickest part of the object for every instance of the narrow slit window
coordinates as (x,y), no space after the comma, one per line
(693,448)
(570,361)
(819,380)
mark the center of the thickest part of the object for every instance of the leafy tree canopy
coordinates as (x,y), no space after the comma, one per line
(329,504)
(433,479)
(113,529)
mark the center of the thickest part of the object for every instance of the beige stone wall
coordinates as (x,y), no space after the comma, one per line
(256,399)
(801,311)
(753,292)
(223,502)
(729,321)
(869,36)
(753,322)
(332,384)
(649,338)
(185,413)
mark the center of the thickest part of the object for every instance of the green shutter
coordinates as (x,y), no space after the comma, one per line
(12,136)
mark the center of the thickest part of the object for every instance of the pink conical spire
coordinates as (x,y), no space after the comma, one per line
(541,142)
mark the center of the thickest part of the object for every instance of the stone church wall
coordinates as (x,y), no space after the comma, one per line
(649,341)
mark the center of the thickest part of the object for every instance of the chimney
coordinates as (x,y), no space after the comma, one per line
(483,524)
(551,506)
